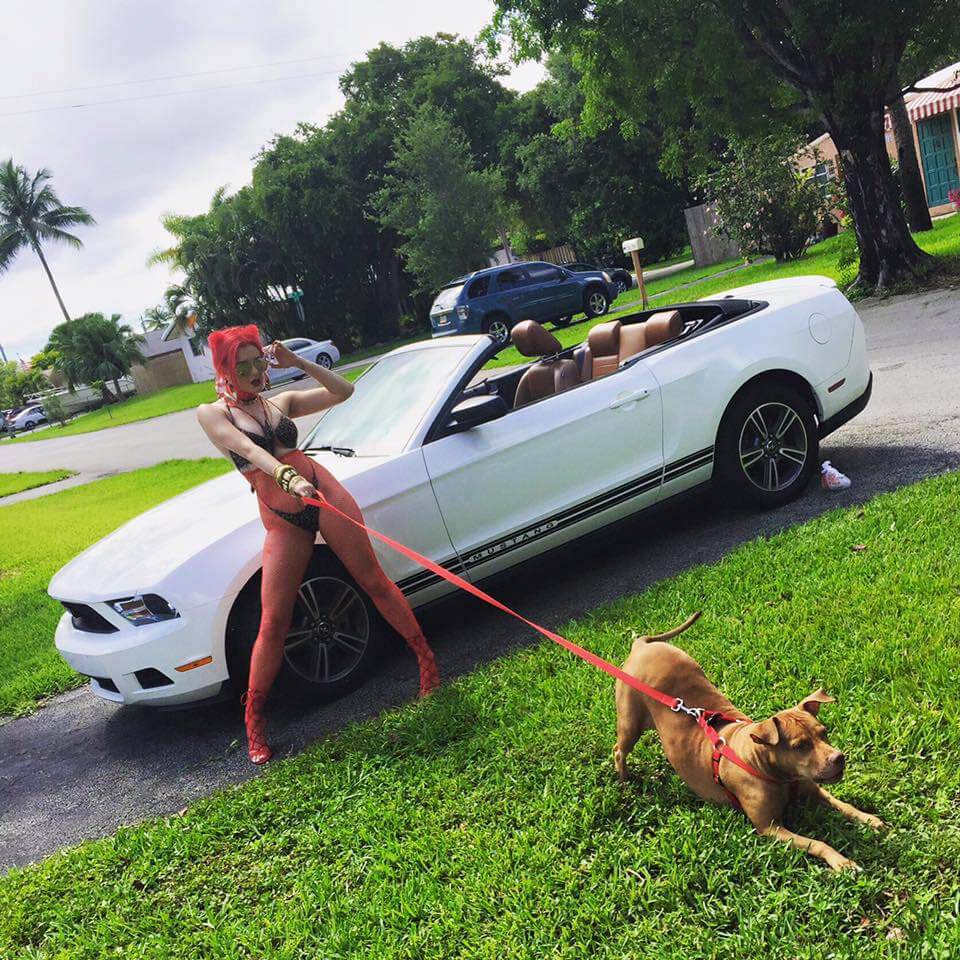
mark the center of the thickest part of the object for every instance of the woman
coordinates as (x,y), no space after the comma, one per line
(260,437)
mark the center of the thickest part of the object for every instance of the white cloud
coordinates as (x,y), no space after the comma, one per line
(131,162)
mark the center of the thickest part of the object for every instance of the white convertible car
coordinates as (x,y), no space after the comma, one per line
(479,470)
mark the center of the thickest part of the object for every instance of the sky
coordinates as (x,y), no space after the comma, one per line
(171,142)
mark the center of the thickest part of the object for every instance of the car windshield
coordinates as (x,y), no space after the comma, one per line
(389,402)
(446,298)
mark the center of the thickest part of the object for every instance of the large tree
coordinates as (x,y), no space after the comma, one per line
(444,208)
(94,348)
(31,215)
(728,62)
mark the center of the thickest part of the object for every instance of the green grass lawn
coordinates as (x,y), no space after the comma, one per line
(821,258)
(170,400)
(487,822)
(20,481)
(40,536)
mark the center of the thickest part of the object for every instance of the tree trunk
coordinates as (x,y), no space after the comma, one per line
(918,214)
(388,285)
(888,254)
(505,242)
(56,292)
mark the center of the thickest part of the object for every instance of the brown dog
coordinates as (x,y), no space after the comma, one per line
(790,746)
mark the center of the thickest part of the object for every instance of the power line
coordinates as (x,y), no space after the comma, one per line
(169,93)
(173,76)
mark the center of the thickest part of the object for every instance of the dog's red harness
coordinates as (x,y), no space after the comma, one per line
(704,718)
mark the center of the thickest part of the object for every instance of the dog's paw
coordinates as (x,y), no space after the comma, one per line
(845,863)
(875,823)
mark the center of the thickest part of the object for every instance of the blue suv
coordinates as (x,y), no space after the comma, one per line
(493,300)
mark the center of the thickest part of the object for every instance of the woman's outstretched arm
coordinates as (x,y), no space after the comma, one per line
(333,388)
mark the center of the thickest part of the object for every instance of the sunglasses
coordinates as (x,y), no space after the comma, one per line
(246,367)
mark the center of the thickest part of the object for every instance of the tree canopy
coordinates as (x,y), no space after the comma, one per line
(324,212)
(723,67)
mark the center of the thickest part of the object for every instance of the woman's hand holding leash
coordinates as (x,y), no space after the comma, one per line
(301,487)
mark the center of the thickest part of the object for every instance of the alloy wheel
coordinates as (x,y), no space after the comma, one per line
(621,287)
(598,303)
(330,630)
(499,331)
(773,446)
(325,361)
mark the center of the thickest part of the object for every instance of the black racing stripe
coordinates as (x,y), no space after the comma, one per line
(685,460)
(694,465)
(577,508)
(555,524)
(565,518)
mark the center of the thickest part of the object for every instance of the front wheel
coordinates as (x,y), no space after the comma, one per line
(325,360)
(335,639)
(596,303)
(767,446)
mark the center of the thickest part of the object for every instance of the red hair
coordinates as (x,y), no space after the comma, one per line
(224,345)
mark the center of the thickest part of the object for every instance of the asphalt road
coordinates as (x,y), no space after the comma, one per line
(80,768)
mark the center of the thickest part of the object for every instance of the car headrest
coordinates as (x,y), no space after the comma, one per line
(663,326)
(532,340)
(604,339)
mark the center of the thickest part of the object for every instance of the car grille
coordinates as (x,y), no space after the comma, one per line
(106,683)
(87,619)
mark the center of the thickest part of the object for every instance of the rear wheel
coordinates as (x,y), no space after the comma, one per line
(335,639)
(595,303)
(767,445)
(498,326)
(622,286)
(325,360)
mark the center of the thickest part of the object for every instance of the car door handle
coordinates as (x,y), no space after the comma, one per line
(630,397)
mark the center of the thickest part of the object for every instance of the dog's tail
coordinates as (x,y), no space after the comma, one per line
(676,631)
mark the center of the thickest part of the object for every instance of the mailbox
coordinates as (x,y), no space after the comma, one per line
(629,246)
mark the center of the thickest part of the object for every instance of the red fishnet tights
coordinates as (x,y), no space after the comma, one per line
(286,553)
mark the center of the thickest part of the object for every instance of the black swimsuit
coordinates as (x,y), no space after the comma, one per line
(285,433)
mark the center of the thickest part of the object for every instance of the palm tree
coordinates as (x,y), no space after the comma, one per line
(30,214)
(93,349)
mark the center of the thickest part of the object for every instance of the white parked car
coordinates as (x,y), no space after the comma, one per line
(322,352)
(479,470)
(25,419)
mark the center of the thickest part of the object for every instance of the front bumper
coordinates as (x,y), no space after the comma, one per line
(138,665)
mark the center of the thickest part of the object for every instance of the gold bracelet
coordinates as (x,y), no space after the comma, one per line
(284,474)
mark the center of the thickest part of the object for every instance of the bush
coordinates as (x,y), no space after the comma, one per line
(763,203)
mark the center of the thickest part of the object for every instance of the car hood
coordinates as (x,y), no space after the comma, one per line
(166,548)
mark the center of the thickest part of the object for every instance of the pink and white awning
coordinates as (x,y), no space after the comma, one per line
(931,103)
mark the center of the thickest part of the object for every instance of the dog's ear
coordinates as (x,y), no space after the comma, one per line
(816,699)
(767,732)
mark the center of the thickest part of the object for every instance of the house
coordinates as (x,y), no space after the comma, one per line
(174,356)
(934,117)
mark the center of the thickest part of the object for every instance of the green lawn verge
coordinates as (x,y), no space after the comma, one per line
(170,400)
(821,259)
(20,481)
(487,822)
(40,536)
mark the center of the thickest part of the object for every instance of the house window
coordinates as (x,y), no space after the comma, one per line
(196,346)
(823,173)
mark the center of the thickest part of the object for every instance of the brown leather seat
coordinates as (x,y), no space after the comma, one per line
(663,326)
(603,342)
(547,377)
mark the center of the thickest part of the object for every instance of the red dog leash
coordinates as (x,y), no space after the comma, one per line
(676,704)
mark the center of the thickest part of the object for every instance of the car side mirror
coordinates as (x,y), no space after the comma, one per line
(474,411)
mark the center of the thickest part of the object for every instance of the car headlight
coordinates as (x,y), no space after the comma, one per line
(149,608)
(607,277)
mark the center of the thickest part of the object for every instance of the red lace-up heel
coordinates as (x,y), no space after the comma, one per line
(257,746)
(429,674)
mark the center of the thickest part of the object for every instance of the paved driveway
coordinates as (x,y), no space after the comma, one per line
(80,768)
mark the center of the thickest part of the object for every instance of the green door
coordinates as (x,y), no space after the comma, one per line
(939,160)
